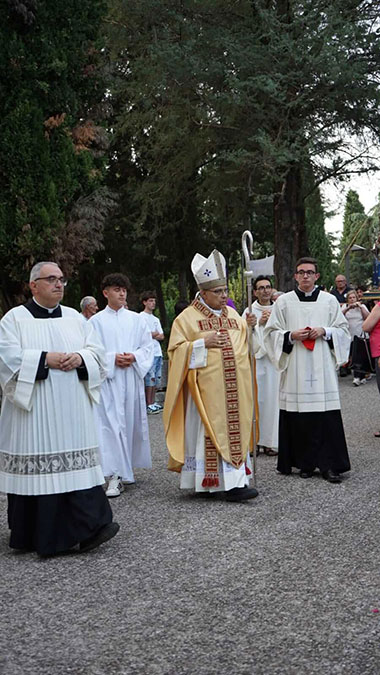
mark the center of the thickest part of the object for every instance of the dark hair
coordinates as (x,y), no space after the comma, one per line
(116,279)
(261,277)
(145,295)
(180,306)
(309,261)
(362,287)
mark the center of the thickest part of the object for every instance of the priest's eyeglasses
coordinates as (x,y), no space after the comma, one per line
(220,291)
(306,273)
(52,280)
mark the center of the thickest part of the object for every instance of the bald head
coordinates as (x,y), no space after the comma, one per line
(89,306)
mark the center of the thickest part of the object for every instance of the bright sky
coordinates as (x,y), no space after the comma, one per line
(367,186)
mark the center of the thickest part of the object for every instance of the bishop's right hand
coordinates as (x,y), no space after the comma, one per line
(215,339)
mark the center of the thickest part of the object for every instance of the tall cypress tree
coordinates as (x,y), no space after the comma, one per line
(357,229)
(49,89)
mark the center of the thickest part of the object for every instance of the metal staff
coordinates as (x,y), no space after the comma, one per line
(248,275)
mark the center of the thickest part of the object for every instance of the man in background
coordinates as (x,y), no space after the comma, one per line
(88,307)
(268,378)
(153,377)
(341,289)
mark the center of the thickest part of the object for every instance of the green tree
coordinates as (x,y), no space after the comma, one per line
(357,229)
(50,146)
(319,243)
(221,108)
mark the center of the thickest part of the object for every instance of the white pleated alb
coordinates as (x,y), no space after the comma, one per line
(121,415)
(48,440)
(268,383)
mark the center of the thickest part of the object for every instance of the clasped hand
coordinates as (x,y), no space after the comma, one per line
(63,361)
(307,333)
(215,339)
(124,360)
(251,319)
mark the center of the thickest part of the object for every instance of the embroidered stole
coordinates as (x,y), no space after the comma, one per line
(223,324)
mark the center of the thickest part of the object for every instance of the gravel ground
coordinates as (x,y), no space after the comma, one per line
(285,584)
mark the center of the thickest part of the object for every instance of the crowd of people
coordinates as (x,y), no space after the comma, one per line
(78,389)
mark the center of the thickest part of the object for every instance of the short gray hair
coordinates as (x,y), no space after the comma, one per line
(36,269)
(86,301)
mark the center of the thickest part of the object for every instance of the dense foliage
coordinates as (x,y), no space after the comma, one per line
(50,146)
(224,110)
(223,116)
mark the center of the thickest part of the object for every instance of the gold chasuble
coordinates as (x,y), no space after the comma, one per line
(222,390)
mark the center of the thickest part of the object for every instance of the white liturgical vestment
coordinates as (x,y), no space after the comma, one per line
(268,383)
(122,417)
(48,443)
(308,378)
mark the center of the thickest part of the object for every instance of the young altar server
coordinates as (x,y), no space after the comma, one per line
(268,378)
(122,417)
(307,338)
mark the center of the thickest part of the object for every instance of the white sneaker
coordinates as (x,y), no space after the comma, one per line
(115,487)
(152,409)
(356,381)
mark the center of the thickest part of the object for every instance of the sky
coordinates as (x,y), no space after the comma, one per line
(367,186)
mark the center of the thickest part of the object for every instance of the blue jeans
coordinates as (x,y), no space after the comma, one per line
(153,377)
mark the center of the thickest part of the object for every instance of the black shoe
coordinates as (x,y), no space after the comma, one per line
(332,476)
(104,534)
(306,474)
(240,494)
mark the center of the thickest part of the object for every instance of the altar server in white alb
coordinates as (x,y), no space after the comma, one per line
(307,338)
(122,416)
(51,369)
(268,378)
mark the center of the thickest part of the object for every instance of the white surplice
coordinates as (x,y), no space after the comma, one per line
(48,443)
(308,378)
(121,415)
(268,383)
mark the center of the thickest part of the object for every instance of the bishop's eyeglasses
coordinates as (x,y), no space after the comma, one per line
(220,291)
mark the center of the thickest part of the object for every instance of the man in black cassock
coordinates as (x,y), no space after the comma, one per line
(51,369)
(307,338)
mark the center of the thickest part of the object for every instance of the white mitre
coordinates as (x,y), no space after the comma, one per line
(209,272)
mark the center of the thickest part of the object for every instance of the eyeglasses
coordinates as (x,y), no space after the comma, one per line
(306,273)
(53,280)
(264,288)
(220,291)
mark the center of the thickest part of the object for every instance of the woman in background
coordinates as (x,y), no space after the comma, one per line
(355,313)
(372,326)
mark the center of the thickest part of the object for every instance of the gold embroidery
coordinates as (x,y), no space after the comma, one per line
(224,324)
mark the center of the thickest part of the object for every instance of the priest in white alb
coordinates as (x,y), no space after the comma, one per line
(307,338)
(267,376)
(51,369)
(208,413)
(122,416)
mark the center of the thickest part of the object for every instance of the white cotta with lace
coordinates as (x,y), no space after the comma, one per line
(48,440)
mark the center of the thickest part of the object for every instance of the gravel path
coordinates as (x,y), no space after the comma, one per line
(285,584)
